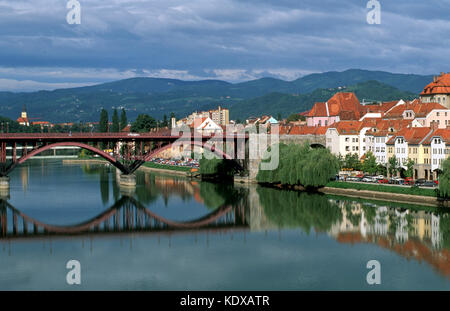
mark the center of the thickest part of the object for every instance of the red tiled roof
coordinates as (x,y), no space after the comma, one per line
(440,86)
(348,127)
(381,108)
(413,135)
(419,108)
(318,110)
(344,105)
(442,133)
(307,130)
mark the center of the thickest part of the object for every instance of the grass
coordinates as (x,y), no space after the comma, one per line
(383,188)
(167,167)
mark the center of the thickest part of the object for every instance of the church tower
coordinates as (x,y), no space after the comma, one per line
(24,112)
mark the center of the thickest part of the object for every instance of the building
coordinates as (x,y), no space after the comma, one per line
(265,121)
(340,107)
(422,113)
(220,116)
(206,126)
(438,91)
(23,119)
(414,143)
(343,137)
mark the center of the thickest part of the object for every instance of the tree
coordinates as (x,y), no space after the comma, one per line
(409,168)
(381,169)
(444,179)
(165,122)
(103,124)
(123,119)
(143,123)
(370,163)
(352,161)
(393,165)
(293,117)
(301,165)
(115,122)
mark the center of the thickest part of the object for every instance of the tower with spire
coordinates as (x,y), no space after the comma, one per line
(23,119)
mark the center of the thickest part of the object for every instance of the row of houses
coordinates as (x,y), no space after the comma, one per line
(417,130)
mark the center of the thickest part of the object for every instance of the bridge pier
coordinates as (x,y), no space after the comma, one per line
(4,187)
(127,180)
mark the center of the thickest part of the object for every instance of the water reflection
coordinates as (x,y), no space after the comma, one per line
(408,231)
(168,204)
(126,215)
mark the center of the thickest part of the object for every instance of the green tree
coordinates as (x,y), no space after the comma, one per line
(381,169)
(143,123)
(370,163)
(165,122)
(352,161)
(409,168)
(103,124)
(444,180)
(301,165)
(393,165)
(123,119)
(293,117)
(115,122)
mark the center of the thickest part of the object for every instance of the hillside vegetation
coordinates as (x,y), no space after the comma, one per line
(157,97)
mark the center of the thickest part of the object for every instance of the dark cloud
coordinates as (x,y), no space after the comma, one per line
(242,38)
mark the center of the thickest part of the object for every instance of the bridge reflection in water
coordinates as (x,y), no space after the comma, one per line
(126,215)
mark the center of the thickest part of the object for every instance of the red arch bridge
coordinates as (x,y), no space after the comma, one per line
(137,147)
(126,215)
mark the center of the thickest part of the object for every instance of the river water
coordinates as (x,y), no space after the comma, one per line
(172,233)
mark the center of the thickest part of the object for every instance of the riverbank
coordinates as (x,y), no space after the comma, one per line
(384,196)
(376,192)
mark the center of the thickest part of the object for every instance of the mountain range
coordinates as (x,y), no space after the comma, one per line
(156,96)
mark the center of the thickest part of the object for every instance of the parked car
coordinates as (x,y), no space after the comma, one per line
(409,181)
(429,183)
(353,178)
(397,181)
(380,177)
(420,181)
(383,181)
(367,179)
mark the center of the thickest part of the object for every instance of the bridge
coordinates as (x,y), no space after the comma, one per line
(136,148)
(126,215)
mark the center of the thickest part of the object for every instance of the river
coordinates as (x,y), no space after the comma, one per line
(171,233)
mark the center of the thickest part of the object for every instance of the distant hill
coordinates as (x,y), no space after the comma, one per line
(285,104)
(162,96)
(406,82)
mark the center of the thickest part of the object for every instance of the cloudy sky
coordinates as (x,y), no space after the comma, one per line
(232,40)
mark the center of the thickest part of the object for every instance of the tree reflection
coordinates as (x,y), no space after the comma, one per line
(292,209)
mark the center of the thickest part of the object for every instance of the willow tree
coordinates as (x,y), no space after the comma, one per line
(444,179)
(301,165)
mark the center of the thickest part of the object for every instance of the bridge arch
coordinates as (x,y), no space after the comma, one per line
(97,151)
(204,221)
